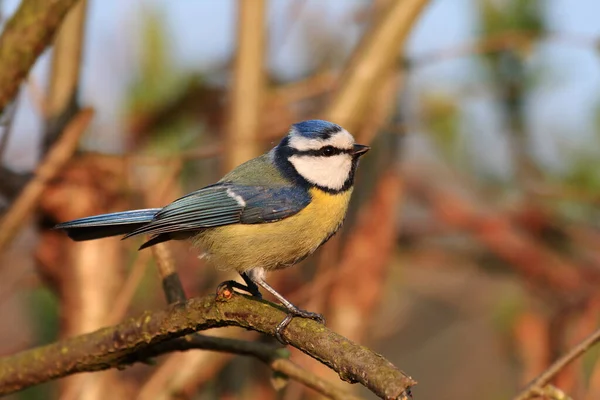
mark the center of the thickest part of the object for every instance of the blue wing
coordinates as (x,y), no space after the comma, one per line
(224,204)
(220,204)
(100,226)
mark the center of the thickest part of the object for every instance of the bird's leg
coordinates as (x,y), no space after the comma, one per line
(250,287)
(257,277)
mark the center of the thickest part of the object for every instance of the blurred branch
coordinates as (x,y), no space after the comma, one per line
(61,101)
(248,84)
(280,102)
(168,274)
(532,337)
(208,151)
(201,101)
(198,100)
(11,182)
(25,36)
(66,57)
(303,89)
(6,122)
(505,40)
(134,339)
(276,358)
(162,255)
(538,386)
(201,367)
(56,158)
(526,255)
(376,54)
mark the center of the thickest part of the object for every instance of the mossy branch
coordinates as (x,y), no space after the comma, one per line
(26,35)
(137,338)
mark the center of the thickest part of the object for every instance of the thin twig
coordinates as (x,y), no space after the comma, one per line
(200,367)
(275,357)
(537,385)
(122,344)
(309,379)
(7,122)
(510,39)
(164,261)
(168,274)
(56,158)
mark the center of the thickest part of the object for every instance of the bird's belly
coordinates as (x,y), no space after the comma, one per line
(278,244)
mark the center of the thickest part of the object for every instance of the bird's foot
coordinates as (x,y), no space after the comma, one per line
(226,289)
(295,313)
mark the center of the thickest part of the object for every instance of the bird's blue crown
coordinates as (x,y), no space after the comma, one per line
(315,129)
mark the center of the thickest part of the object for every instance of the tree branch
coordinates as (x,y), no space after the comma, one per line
(247,89)
(537,385)
(132,340)
(275,358)
(168,274)
(25,37)
(55,160)
(61,102)
(371,61)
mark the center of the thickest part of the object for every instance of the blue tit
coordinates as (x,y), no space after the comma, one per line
(269,213)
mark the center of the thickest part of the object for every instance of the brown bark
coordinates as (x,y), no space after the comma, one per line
(25,37)
(135,339)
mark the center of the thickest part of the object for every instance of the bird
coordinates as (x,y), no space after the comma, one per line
(267,214)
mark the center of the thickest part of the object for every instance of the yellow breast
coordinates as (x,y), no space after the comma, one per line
(278,244)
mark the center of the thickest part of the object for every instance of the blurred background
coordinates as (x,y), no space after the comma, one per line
(471,253)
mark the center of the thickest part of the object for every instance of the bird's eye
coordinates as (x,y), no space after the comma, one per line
(328,151)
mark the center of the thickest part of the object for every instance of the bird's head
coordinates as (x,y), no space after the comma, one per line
(321,154)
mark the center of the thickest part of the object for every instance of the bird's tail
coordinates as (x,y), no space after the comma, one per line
(105,225)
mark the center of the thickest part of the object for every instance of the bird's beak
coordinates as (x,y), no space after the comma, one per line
(359,150)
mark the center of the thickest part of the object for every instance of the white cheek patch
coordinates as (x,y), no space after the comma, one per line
(330,172)
(340,140)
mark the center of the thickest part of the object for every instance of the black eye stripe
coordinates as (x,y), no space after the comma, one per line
(327,151)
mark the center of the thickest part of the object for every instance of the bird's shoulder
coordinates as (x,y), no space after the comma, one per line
(259,171)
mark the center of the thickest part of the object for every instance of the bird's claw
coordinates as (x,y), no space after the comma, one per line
(288,318)
(227,289)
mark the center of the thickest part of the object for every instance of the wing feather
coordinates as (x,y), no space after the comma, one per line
(224,204)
